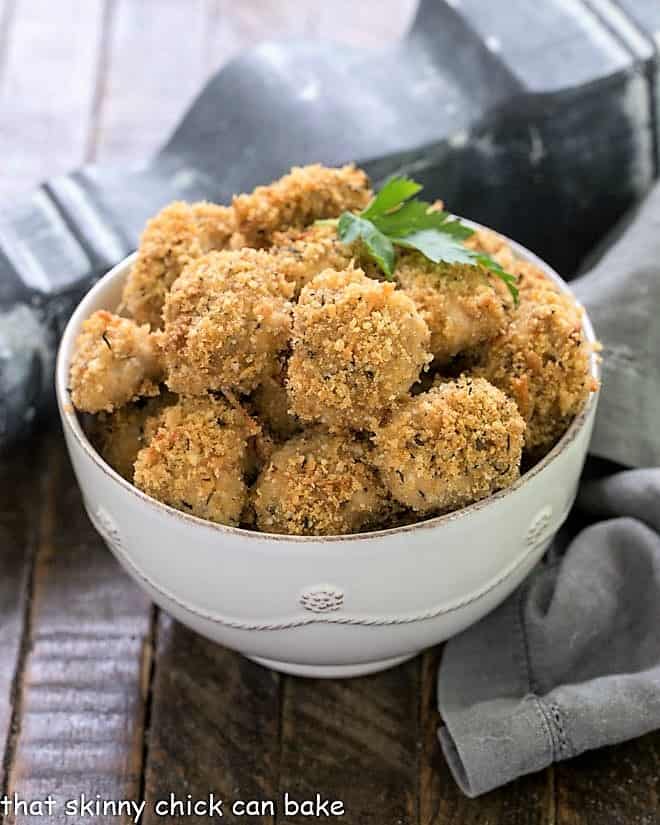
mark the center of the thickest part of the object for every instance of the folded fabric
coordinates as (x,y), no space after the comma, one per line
(571,661)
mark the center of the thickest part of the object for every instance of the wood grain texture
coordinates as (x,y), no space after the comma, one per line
(611,786)
(355,741)
(82,693)
(528,801)
(47,89)
(214,726)
(20,482)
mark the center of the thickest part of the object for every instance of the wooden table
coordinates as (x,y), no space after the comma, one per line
(100,693)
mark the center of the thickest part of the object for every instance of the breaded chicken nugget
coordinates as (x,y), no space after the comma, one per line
(270,405)
(531,279)
(459,303)
(457,443)
(115,361)
(306,194)
(302,254)
(197,458)
(178,234)
(541,361)
(319,484)
(227,319)
(358,345)
(119,436)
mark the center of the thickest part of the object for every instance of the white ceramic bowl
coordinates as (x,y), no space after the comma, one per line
(339,606)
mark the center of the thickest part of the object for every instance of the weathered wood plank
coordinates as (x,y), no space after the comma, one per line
(155,67)
(47,89)
(214,726)
(354,741)
(611,786)
(529,801)
(20,488)
(82,693)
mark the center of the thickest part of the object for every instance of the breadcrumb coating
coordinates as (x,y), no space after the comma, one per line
(197,458)
(257,300)
(306,194)
(302,254)
(542,361)
(358,345)
(227,319)
(530,277)
(177,235)
(458,302)
(119,436)
(453,445)
(319,485)
(270,405)
(114,361)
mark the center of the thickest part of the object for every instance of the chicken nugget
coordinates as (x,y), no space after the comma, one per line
(178,234)
(114,361)
(446,448)
(119,436)
(197,458)
(541,360)
(302,254)
(459,303)
(306,194)
(270,405)
(227,319)
(358,345)
(319,484)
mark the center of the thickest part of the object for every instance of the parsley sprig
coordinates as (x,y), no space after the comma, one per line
(395,217)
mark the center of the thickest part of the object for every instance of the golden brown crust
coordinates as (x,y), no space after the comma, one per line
(114,361)
(257,299)
(302,254)
(457,443)
(319,484)
(197,458)
(177,235)
(541,358)
(306,194)
(270,405)
(358,345)
(227,319)
(458,302)
(119,436)
(542,362)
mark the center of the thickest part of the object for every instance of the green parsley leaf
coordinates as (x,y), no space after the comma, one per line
(380,247)
(437,247)
(417,215)
(393,219)
(393,193)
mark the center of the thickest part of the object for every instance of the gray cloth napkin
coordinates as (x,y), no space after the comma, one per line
(571,661)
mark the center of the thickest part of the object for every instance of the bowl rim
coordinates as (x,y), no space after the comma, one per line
(71,421)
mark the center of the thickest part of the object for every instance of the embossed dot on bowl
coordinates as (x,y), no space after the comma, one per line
(539,527)
(322,598)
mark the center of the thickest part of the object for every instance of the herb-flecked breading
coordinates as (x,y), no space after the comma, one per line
(177,235)
(304,195)
(197,458)
(119,436)
(227,319)
(358,346)
(335,361)
(455,444)
(461,306)
(114,362)
(319,484)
